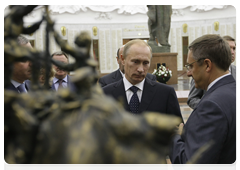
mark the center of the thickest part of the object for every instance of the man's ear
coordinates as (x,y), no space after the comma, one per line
(208,64)
(122,59)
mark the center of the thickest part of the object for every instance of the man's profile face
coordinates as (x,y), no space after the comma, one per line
(59,73)
(121,67)
(233,49)
(196,72)
(22,70)
(136,63)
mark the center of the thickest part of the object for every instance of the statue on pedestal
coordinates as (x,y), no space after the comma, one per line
(159,22)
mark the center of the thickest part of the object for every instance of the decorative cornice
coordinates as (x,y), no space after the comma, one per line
(126,9)
(122,9)
(103,15)
(202,8)
(103,11)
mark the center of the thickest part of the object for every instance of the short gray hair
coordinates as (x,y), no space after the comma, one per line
(133,42)
(60,53)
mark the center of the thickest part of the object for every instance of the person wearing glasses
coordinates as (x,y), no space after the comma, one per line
(210,131)
(195,94)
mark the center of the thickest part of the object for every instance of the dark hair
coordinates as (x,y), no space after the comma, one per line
(229,38)
(60,53)
(118,52)
(213,47)
(132,42)
(21,40)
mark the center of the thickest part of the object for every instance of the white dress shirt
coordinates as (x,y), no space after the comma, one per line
(216,80)
(16,84)
(129,93)
(56,84)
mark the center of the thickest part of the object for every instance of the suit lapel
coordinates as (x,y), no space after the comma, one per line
(221,82)
(53,86)
(147,95)
(27,85)
(13,88)
(119,93)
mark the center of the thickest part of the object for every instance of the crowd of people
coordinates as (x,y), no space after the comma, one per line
(212,95)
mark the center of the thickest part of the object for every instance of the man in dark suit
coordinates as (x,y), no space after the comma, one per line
(213,122)
(118,74)
(61,78)
(21,71)
(139,93)
(195,94)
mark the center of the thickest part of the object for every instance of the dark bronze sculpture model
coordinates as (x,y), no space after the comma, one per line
(159,23)
(66,127)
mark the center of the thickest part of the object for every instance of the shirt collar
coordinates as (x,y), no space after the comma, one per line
(216,80)
(128,85)
(55,80)
(16,84)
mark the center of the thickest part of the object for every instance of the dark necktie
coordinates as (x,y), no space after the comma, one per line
(21,88)
(60,84)
(134,102)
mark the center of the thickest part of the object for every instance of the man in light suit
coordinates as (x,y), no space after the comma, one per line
(195,94)
(61,78)
(149,95)
(212,123)
(21,71)
(118,74)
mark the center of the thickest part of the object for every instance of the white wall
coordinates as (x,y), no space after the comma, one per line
(115,23)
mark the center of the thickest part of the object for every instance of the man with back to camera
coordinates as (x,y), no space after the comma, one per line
(118,74)
(61,78)
(21,70)
(138,92)
(213,121)
(195,94)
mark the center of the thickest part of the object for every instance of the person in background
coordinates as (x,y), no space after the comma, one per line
(195,94)
(21,70)
(42,76)
(61,78)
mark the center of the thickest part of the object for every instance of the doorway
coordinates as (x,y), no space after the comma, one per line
(184,50)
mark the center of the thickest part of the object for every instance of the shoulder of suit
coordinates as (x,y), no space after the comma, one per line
(108,75)
(113,85)
(233,66)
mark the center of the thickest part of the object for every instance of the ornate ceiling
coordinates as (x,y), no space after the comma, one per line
(127,9)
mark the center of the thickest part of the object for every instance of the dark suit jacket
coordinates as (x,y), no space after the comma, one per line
(70,85)
(195,94)
(12,87)
(116,76)
(214,119)
(156,97)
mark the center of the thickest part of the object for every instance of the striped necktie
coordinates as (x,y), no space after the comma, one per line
(60,84)
(21,88)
